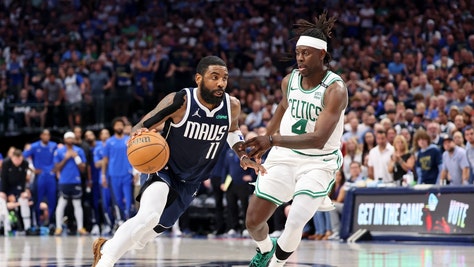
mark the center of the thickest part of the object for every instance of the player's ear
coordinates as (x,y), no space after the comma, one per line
(198,78)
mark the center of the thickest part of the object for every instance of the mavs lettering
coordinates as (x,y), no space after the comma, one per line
(206,132)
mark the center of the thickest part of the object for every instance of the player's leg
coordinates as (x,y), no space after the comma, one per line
(311,188)
(52,195)
(302,210)
(62,202)
(275,188)
(127,187)
(41,190)
(258,213)
(107,211)
(79,215)
(138,229)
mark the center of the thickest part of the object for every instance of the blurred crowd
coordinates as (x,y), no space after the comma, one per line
(408,67)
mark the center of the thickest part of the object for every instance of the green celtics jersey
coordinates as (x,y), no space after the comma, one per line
(304,107)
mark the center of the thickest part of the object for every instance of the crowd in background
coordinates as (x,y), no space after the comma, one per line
(408,67)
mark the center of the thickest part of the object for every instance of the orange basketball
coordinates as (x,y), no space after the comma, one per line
(148,152)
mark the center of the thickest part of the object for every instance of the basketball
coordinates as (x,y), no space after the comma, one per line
(148,152)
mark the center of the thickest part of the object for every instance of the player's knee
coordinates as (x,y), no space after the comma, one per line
(253,222)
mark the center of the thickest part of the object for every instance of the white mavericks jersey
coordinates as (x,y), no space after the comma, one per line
(304,107)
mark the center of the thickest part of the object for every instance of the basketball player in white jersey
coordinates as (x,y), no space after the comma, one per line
(306,150)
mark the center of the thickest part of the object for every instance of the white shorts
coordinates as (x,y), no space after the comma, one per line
(290,174)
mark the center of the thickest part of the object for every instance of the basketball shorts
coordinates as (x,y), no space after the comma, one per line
(70,191)
(290,174)
(180,196)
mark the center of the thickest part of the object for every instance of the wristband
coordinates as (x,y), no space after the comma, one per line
(270,138)
(243,157)
(78,160)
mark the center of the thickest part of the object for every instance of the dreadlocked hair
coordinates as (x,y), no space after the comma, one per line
(320,28)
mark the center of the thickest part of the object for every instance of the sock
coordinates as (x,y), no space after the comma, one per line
(265,245)
(25,213)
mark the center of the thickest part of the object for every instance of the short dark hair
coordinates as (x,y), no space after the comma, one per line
(118,119)
(205,62)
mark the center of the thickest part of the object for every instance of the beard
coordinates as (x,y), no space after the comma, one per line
(118,131)
(208,96)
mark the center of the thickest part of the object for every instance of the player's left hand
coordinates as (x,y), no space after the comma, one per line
(246,162)
(258,145)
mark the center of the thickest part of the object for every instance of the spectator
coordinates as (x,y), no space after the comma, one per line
(21,108)
(455,169)
(353,153)
(354,131)
(428,158)
(379,158)
(75,88)
(255,118)
(38,110)
(402,160)
(100,84)
(458,139)
(54,94)
(434,132)
(368,143)
(425,88)
(469,134)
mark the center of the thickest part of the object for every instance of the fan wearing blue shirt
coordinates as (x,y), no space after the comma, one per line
(70,161)
(42,155)
(118,168)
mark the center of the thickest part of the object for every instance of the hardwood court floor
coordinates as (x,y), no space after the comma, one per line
(227,252)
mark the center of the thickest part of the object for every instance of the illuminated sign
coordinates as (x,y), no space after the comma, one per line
(421,212)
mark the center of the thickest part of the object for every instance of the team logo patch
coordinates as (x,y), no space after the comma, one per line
(317,95)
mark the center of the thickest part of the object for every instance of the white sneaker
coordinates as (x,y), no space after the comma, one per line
(276,233)
(334,236)
(245,233)
(231,233)
(327,205)
(95,230)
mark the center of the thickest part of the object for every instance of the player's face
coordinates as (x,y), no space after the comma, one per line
(118,127)
(104,134)
(309,60)
(45,136)
(213,84)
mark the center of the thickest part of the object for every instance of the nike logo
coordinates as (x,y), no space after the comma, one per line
(326,160)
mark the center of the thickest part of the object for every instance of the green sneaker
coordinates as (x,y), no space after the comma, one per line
(262,260)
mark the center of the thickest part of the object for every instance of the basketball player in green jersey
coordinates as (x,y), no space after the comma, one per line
(306,150)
